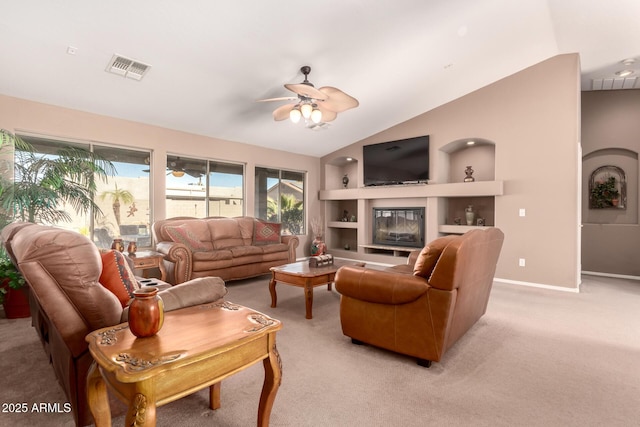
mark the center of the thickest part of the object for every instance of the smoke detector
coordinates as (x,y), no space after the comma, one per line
(127,67)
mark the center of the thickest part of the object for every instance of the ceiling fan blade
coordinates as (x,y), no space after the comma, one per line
(282,98)
(282,113)
(327,115)
(306,90)
(336,100)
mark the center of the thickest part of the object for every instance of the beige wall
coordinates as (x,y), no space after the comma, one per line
(533,117)
(611,136)
(22,116)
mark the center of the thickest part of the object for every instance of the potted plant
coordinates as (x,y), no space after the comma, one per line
(604,193)
(40,184)
(13,295)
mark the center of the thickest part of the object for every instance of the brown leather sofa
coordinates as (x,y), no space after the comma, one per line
(62,269)
(421,309)
(223,247)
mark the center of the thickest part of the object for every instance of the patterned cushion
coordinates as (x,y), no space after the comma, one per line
(429,255)
(117,276)
(266,233)
(181,234)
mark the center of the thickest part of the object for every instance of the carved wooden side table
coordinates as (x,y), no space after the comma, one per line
(145,260)
(197,347)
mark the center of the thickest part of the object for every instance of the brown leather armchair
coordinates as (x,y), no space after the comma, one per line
(62,269)
(421,309)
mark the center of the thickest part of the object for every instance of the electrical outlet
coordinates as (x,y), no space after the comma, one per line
(522,212)
(521,262)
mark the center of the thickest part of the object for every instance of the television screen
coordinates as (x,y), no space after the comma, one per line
(404,161)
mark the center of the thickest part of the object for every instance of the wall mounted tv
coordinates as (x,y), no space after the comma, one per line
(404,161)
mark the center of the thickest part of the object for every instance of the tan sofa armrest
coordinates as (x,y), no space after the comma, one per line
(194,292)
(182,258)
(381,287)
(292,242)
(413,257)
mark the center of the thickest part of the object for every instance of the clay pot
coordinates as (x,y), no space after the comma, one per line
(146,312)
(117,245)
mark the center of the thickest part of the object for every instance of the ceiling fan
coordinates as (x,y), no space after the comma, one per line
(315,106)
(178,168)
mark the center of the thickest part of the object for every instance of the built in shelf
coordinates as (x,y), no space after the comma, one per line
(458,229)
(342,224)
(389,250)
(455,189)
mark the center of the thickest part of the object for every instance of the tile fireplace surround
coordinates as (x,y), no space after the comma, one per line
(398,227)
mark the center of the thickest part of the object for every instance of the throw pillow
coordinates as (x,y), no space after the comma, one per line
(117,276)
(181,234)
(266,233)
(429,255)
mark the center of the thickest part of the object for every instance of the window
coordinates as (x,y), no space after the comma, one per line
(279,197)
(201,188)
(123,198)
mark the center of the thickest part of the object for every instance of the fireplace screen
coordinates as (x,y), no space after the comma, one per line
(398,227)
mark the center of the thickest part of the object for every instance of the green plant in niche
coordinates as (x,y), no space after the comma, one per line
(604,193)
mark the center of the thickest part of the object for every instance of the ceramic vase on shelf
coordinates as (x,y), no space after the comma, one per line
(146,312)
(469,214)
(132,248)
(117,245)
(318,247)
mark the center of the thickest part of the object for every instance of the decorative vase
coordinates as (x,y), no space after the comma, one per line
(469,214)
(318,247)
(132,248)
(146,312)
(469,172)
(117,245)
(345,180)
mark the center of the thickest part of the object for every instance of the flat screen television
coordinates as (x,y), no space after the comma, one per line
(404,161)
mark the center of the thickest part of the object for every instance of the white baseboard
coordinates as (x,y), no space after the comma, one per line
(538,285)
(615,276)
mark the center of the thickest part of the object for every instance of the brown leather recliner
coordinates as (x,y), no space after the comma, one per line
(421,309)
(62,269)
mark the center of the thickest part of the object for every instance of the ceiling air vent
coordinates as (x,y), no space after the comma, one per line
(126,67)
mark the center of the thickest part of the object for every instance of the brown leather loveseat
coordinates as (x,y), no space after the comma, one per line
(63,271)
(229,248)
(421,309)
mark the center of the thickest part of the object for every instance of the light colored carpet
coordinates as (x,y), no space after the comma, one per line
(537,358)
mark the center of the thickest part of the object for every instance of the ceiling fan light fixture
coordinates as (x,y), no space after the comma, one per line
(294,114)
(316,116)
(177,173)
(306,110)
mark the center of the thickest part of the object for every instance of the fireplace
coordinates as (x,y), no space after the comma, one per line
(398,227)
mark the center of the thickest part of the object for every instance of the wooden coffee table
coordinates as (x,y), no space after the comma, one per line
(197,347)
(301,275)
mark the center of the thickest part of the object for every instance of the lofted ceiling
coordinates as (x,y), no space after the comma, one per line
(211,60)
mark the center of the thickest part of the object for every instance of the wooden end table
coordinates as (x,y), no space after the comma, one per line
(197,347)
(301,275)
(145,260)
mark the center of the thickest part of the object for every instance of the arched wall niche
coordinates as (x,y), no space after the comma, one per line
(337,168)
(617,162)
(480,155)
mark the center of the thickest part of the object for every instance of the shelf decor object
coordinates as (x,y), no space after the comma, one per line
(469,172)
(469,214)
(608,188)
